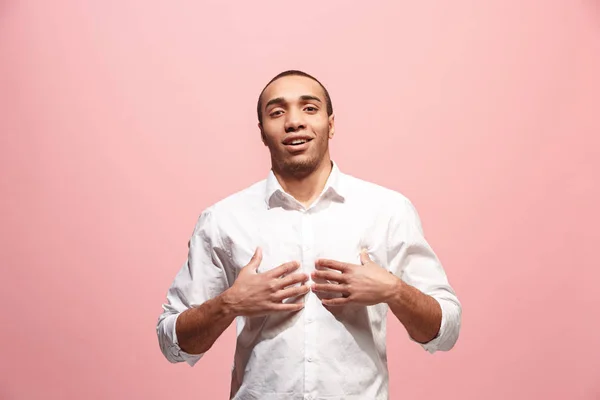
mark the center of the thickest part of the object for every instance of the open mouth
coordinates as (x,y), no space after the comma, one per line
(298,142)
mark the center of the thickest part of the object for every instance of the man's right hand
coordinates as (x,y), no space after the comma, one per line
(255,294)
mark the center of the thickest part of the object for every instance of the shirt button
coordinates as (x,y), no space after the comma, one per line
(309,320)
(310,359)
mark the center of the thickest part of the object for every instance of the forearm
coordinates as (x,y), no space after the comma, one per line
(198,328)
(420,314)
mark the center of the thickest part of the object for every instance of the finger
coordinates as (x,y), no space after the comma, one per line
(255,260)
(283,269)
(330,276)
(332,264)
(336,302)
(364,257)
(292,280)
(291,292)
(329,288)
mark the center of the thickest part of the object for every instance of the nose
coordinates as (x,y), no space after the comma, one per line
(294,121)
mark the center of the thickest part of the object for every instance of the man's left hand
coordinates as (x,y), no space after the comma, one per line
(366,284)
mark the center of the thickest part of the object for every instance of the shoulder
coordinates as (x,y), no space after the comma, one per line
(242,200)
(235,205)
(387,204)
(375,194)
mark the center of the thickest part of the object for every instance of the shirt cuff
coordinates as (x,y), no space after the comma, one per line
(175,351)
(448,332)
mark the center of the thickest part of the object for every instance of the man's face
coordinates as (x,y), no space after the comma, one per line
(295,125)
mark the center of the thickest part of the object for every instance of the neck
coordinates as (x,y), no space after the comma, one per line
(308,187)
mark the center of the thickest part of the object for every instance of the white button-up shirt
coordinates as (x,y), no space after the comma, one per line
(316,353)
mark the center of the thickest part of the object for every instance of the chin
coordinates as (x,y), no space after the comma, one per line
(300,165)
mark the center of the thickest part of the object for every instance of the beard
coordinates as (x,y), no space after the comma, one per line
(299,166)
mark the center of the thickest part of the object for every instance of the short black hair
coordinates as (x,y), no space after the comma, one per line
(294,72)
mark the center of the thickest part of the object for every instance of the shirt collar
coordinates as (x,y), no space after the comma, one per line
(334,188)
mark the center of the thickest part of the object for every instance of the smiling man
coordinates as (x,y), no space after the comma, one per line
(307,262)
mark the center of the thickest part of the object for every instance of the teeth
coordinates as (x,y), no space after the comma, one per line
(298,142)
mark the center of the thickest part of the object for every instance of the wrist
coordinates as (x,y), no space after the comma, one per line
(228,304)
(394,292)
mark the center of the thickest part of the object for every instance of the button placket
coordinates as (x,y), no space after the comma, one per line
(309,311)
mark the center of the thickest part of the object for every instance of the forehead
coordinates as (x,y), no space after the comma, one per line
(292,87)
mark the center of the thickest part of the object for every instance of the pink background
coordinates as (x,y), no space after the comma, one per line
(121,120)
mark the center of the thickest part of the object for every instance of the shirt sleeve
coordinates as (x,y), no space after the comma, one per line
(413,260)
(201,278)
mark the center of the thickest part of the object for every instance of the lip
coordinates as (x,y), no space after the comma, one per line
(299,147)
(293,138)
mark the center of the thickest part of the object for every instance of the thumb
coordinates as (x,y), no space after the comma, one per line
(255,260)
(364,257)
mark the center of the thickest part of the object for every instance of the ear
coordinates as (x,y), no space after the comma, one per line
(262,134)
(331,125)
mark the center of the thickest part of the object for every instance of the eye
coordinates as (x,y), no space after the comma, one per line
(311,109)
(276,113)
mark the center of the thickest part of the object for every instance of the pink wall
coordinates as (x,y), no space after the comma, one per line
(120,121)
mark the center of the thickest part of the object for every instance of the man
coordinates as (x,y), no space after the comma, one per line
(307,261)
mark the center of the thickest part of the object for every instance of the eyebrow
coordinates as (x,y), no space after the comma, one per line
(281,100)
